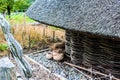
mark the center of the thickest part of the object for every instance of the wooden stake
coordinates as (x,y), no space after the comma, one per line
(88,69)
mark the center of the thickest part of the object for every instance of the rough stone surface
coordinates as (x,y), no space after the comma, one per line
(7,71)
(94,16)
(6,63)
(39,72)
(58,67)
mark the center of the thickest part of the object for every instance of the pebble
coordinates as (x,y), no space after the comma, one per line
(58,67)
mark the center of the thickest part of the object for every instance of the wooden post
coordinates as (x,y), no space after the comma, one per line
(7,71)
(44,33)
(23,38)
(53,36)
(29,41)
(24,20)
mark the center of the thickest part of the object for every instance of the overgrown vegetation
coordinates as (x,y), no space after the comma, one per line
(3,47)
(25,30)
(37,36)
(32,35)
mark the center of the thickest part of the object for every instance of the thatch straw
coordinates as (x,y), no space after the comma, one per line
(95,16)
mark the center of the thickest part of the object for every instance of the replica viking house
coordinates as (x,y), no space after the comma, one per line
(92,30)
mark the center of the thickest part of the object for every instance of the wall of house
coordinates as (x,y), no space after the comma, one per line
(94,51)
(67,42)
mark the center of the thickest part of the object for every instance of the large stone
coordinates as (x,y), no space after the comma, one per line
(7,71)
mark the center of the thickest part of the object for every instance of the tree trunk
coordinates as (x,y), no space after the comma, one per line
(9,11)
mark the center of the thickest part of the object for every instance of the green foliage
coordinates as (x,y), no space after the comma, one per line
(6,5)
(32,43)
(2,6)
(9,3)
(21,5)
(3,47)
(2,9)
(14,5)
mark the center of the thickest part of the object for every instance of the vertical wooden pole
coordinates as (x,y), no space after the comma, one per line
(23,38)
(44,33)
(53,39)
(24,20)
(29,40)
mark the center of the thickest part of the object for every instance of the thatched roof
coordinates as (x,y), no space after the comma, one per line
(96,16)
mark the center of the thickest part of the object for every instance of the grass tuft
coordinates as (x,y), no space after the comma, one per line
(3,47)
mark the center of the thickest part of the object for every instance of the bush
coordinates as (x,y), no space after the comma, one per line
(3,47)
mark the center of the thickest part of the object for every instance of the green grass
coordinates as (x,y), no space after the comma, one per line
(54,28)
(19,18)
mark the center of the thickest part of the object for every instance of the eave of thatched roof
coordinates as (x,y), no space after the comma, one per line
(94,16)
